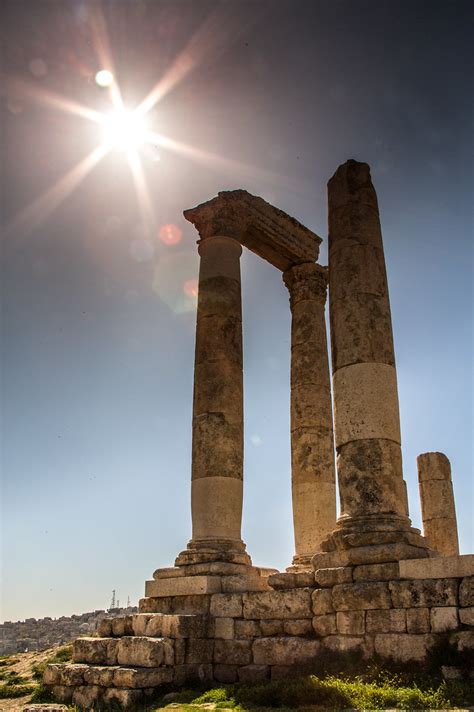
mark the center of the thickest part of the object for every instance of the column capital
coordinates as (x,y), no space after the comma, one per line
(218,241)
(307,281)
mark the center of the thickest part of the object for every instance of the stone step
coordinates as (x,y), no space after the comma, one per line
(140,651)
(155,625)
(76,675)
(287,580)
(202,585)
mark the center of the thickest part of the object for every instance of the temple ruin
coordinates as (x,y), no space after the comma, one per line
(366,583)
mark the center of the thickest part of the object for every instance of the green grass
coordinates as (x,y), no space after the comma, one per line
(332,692)
(62,655)
(6,660)
(9,691)
(41,694)
(11,677)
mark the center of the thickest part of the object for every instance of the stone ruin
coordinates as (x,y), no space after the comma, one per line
(366,583)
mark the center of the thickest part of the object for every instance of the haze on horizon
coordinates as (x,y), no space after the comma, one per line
(99,275)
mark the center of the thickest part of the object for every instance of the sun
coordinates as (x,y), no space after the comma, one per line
(124,130)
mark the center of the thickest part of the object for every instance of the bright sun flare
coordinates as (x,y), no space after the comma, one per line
(124,130)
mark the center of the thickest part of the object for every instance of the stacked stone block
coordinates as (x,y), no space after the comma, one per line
(268,635)
(438,508)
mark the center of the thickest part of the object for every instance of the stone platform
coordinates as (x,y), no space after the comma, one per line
(397,611)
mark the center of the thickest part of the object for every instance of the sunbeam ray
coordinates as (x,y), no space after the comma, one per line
(239,169)
(45,204)
(221,29)
(104,55)
(28,90)
(141,188)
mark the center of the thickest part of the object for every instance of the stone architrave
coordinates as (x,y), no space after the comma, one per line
(437,503)
(312,440)
(374,507)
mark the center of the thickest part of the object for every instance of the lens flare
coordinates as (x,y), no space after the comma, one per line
(190,288)
(104,78)
(170,234)
(124,130)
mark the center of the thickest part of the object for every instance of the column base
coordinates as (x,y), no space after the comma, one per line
(371,540)
(211,551)
(300,564)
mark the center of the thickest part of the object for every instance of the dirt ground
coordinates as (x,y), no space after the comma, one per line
(23,665)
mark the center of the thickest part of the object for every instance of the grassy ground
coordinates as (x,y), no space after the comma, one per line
(371,689)
(21,675)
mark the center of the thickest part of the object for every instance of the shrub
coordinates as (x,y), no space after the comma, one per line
(9,691)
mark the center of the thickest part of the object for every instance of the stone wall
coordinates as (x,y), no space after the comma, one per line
(42,633)
(253,636)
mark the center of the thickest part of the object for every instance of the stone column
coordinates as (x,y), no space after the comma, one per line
(437,503)
(312,441)
(217,444)
(374,508)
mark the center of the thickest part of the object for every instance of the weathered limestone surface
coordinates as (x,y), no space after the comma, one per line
(441,567)
(437,503)
(259,226)
(366,413)
(217,451)
(278,604)
(312,441)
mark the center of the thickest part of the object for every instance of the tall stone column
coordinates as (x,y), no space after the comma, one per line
(438,509)
(217,443)
(312,441)
(374,508)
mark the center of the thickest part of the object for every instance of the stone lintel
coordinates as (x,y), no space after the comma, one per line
(183,586)
(259,226)
(439,567)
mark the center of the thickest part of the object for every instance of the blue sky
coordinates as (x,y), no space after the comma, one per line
(98,323)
